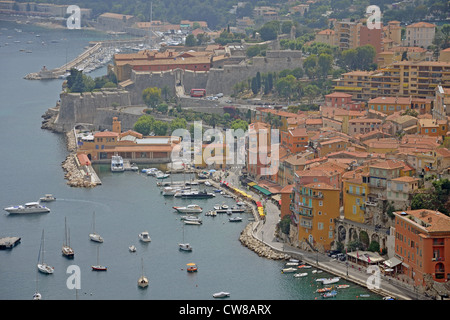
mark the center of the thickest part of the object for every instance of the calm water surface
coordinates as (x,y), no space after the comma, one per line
(124,205)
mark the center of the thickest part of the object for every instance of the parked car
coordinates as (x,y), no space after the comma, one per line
(332,253)
(341,257)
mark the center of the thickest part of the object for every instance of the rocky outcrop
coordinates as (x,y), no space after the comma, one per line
(261,249)
(75,176)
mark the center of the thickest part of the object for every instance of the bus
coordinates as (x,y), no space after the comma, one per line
(198,93)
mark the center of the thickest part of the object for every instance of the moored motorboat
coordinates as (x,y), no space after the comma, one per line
(29,207)
(132,248)
(117,164)
(331,280)
(185,247)
(144,236)
(193,222)
(288,270)
(235,219)
(192,208)
(221,294)
(300,275)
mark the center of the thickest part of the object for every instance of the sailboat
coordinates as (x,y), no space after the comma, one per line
(67,251)
(184,246)
(99,267)
(142,281)
(94,236)
(42,266)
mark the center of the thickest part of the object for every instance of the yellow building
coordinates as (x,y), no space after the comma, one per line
(355,196)
(315,207)
(403,78)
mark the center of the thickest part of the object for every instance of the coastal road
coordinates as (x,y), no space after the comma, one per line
(265,232)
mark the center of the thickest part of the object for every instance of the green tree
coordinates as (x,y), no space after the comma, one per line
(254,85)
(144,125)
(269,31)
(239,124)
(324,64)
(286,86)
(178,123)
(310,66)
(160,128)
(190,41)
(311,92)
(151,96)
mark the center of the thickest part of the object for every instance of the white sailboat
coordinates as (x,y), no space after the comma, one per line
(67,251)
(94,236)
(42,266)
(142,281)
(184,246)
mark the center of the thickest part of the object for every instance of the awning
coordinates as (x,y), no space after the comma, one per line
(251,184)
(262,190)
(392,262)
(277,197)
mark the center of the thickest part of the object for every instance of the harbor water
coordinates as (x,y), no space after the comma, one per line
(124,205)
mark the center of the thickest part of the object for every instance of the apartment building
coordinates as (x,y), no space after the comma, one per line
(363,125)
(422,243)
(315,210)
(355,196)
(327,36)
(420,34)
(400,191)
(403,78)
(442,100)
(295,140)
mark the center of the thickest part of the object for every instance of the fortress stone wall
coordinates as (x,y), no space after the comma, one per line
(83,108)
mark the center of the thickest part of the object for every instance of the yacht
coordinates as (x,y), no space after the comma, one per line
(192,208)
(117,164)
(195,194)
(29,207)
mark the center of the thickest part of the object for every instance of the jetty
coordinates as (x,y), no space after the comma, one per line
(9,242)
(98,54)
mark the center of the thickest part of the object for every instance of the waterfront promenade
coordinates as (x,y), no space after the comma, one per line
(264,231)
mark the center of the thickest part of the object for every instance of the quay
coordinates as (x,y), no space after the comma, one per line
(9,242)
(96,55)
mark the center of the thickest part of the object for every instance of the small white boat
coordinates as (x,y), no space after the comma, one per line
(144,236)
(343,286)
(364,295)
(191,218)
(132,248)
(185,247)
(221,294)
(29,207)
(240,203)
(47,198)
(99,267)
(330,294)
(235,219)
(207,183)
(288,270)
(288,264)
(162,175)
(294,260)
(192,208)
(331,280)
(300,275)
(193,222)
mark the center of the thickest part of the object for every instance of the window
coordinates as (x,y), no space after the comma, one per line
(320,203)
(320,226)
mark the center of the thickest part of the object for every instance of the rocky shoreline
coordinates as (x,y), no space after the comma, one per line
(248,240)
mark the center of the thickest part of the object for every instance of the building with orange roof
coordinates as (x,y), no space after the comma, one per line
(315,211)
(115,21)
(363,125)
(287,195)
(401,190)
(381,145)
(420,34)
(295,140)
(327,36)
(444,55)
(389,105)
(441,101)
(129,145)
(265,114)
(332,145)
(422,243)
(432,127)
(292,163)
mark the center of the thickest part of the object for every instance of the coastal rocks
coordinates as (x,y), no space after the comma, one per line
(262,250)
(49,118)
(75,176)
